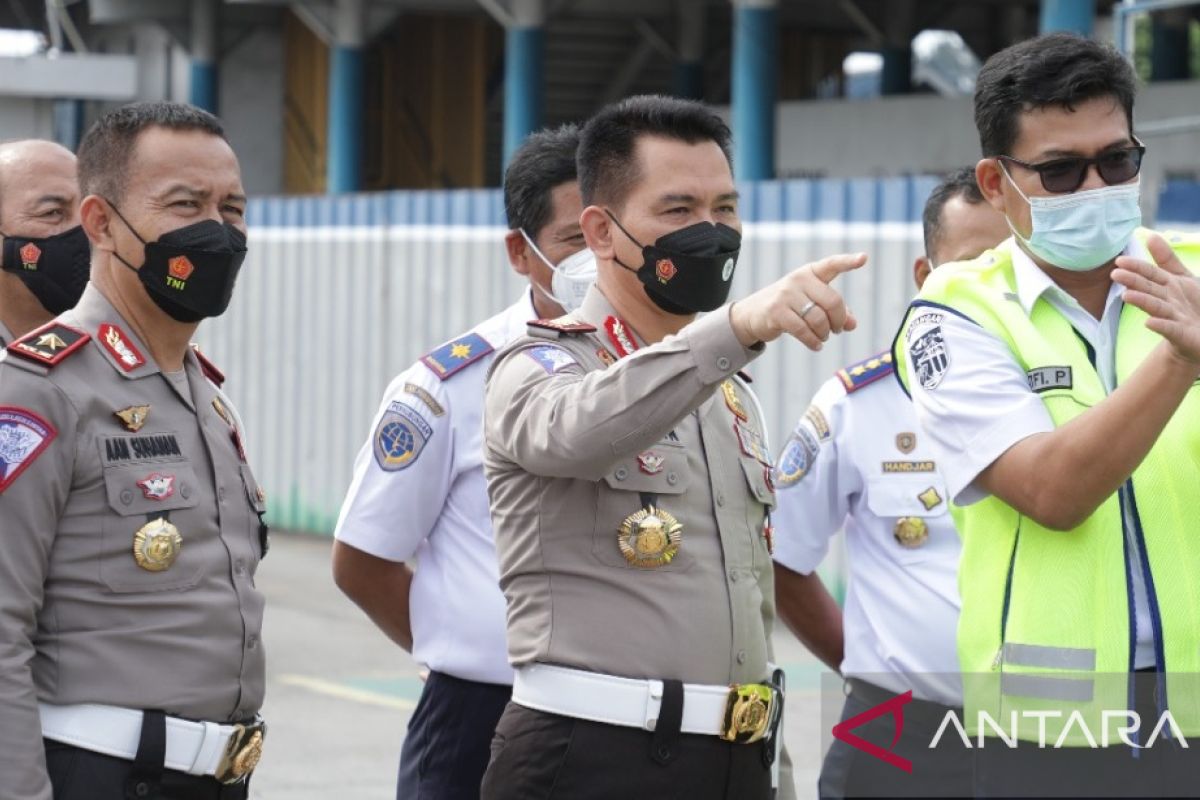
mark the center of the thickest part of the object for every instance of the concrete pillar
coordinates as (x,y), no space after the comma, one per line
(899,21)
(1072,16)
(524,59)
(205,30)
(1170,46)
(689,68)
(755,87)
(345,125)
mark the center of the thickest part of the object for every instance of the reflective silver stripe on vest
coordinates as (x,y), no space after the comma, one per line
(1076,690)
(1037,655)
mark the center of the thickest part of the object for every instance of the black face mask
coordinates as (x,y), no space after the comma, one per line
(688,270)
(190,272)
(54,268)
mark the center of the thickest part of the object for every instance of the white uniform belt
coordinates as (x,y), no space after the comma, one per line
(616,701)
(192,747)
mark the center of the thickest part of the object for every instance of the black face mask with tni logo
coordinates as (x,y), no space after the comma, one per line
(190,272)
(690,269)
(54,268)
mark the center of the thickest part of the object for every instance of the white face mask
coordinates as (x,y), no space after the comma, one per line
(1081,231)
(571,277)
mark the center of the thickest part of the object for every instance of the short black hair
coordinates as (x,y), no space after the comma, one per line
(107,147)
(1058,69)
(607,168)
(543,161)
(959,183)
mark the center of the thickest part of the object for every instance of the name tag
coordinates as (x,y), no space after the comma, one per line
(1044,379)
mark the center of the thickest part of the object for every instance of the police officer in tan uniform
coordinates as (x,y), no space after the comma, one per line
(44,255)
(630,486)
(130,657)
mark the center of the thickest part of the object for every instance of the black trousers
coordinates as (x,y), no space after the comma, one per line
(538,756)
(446,748)
(78,774)
(945,771)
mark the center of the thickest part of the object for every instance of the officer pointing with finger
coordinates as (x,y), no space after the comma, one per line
(131,663)
(629,477)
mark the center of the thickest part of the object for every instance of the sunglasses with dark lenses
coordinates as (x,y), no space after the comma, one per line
(1068,174)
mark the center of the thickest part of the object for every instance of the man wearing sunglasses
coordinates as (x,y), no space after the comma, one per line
(1055,378)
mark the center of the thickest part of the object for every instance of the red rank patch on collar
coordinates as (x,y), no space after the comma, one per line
(114,340)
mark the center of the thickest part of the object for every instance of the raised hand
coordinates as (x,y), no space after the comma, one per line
(800,303)
(1168,292)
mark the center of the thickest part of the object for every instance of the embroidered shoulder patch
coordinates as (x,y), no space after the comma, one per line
(425,397)
(207,367)
(23,437)
(565,324)
(400,437)
(550,358)
(457,354)
(797,458)
(866,372)
(50,343)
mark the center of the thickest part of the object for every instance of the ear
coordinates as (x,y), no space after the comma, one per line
(518,252)
(597,232)
(97,222)
(990,178)
(921,269)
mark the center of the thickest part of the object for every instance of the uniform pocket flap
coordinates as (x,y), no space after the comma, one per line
(142,489)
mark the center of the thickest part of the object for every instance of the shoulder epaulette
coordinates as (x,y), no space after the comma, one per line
(565,325)
(457,354)
(49,344)
(866,372)
(207,367)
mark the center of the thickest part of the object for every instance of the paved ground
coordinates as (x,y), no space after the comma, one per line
(339,693)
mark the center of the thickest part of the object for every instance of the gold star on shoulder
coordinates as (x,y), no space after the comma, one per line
(51,341)
(460,350)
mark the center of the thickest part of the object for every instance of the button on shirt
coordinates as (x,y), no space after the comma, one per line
(80,620)
(983,405)
(574,448)
(858,461)
(436,510)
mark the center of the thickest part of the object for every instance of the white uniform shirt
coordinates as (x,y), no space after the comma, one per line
(982,403)
(418,489)
(857,460)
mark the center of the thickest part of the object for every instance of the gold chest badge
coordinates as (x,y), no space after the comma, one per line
(156,545)
(733,401)
(911,532)
(650,537)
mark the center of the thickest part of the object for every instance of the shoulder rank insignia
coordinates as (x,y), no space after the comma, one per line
(456,354)
(50,343)
(866,372)
(207,367)
(565,324)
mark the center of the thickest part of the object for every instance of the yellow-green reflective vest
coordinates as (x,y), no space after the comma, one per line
(1046,615)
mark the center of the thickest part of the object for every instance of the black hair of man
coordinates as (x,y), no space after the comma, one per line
(107,148)
(608,170)
(959,183)
(543,162)
(1056,70)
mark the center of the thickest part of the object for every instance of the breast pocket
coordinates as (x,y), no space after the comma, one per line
(626,533)
(908,506)
(150,541)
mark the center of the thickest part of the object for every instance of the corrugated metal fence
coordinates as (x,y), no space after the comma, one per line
(341,293)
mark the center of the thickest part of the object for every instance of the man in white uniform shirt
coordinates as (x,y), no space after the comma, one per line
(855,460)
(418,492)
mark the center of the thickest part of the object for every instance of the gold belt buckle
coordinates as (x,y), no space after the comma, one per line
(749,711)
(242,753)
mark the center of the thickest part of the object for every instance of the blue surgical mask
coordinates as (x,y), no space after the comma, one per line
(1081,231)
(570,278)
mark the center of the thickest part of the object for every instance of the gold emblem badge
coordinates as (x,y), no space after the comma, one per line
(911,532)
(649,537)
(134,417)
(733,401)
(606,357)
(930,498)
(748,711)
(222,411)
(242,754)
(906,442)
(156,545)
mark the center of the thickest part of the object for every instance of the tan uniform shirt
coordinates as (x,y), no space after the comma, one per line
(80,620)
(572,448)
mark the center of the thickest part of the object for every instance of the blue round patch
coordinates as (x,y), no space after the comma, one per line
(797,459)
(400,437)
